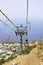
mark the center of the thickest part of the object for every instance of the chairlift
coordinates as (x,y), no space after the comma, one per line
(20,30)
(26,43)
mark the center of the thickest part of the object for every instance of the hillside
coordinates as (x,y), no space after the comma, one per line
(30,59)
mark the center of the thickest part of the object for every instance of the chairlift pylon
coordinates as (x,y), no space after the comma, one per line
(20,30)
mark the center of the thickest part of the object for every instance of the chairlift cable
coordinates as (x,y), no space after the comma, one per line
(7,25)
(8,19)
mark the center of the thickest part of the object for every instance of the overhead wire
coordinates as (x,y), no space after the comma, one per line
(8,19)
(7,25)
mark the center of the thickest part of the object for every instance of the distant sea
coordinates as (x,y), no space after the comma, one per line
(36,32)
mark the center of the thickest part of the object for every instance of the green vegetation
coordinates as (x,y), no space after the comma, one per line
(16,53)
(9,59)
(28,49)
(2,61)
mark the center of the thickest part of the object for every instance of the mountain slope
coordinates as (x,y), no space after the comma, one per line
(30,59)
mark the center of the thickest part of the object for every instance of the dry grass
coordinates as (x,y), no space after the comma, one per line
(30,59)
(40,49)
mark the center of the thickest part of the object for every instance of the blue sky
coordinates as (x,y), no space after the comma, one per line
(16,11)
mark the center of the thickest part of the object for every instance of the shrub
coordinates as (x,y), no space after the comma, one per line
(28,49)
